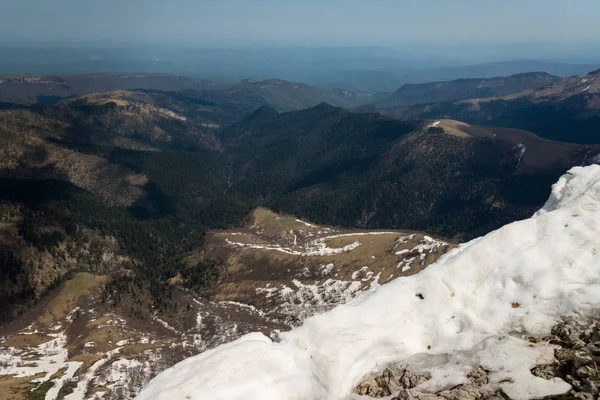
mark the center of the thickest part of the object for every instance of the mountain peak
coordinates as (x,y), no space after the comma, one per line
(325,106)
(595,72)
(263,112)
(276,81)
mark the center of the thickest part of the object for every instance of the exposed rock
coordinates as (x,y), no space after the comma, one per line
(476,389)
(577,362)
(578,358)
(389,382)
(401,382)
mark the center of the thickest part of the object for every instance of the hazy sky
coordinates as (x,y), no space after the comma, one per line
(306,22)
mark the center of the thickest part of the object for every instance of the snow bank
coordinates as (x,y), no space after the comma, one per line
(467,309)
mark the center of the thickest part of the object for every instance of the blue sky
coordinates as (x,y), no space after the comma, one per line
(308,22)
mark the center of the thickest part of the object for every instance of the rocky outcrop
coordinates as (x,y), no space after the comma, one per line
(401,382)
(389,382)
(577,360)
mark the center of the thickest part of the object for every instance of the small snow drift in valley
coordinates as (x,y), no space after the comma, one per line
(469,309)
(521,149)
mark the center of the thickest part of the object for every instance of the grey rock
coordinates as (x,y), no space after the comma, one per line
(577,363)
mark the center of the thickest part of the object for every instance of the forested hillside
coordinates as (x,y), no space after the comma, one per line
(287,96)
(332,166)
(75,192)
(143,175)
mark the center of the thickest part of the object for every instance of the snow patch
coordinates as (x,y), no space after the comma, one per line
(304,300)
(243,305)
(326,269)
(306,223)
(54,355)
(165,324)
(402,240)
(521,149)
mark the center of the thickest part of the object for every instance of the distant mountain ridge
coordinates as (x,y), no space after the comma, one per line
(51,89)
(463,89)
(568,110)
(281,94)
(287,96)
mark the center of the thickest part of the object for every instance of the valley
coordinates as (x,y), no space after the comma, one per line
(145,219)
(299,200)
(279,270)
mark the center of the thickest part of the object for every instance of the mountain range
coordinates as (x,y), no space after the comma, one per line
(51,89)
(281,94)
(463,89)
(143,196)
(567,110)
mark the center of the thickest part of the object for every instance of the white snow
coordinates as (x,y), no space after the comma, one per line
(473,304)
(165,324)
(425,245)
(170,114)
(402,240)
(521,149)
(315,247)
(408,263)
(434,124)
(239,305)
(80,390)
(305,300)
(72,367)
(326,269)
(306,223)
(120,368)
(318,248)
(82,386)
(54,355)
